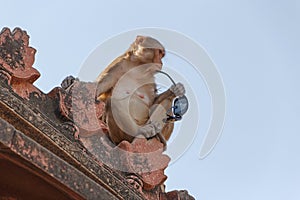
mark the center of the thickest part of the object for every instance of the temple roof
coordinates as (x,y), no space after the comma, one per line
(41,155)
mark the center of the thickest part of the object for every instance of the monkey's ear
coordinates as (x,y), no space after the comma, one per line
(139,39)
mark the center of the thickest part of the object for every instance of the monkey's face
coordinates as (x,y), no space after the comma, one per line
(150,55)
(148,50)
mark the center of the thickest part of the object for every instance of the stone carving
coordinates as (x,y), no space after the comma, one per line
(16,60)
(76,104)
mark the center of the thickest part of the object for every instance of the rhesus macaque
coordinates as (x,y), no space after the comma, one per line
(133,107)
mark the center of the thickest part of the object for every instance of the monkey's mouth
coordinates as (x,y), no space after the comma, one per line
(158,66)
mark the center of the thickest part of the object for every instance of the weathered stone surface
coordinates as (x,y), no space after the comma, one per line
(145,158)
(6,133)
(77,104)
(16,60)
(179,195)
(44,161)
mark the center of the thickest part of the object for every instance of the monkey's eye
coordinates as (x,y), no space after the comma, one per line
(147,50)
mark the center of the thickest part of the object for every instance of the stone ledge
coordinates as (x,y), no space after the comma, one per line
(26,153)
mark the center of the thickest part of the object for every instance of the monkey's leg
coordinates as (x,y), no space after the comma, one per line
(158,114)
(120,123)
(150,129)
(162,104)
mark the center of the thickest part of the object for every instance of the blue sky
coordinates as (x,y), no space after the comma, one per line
(255,46)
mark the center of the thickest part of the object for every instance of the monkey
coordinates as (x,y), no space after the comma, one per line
(127,86)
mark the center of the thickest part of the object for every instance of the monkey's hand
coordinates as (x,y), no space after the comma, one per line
(178,89)
(150,130)
(67,82)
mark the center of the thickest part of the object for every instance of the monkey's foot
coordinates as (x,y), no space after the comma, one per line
(150,130)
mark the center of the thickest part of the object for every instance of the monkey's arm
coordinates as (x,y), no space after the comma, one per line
(109,77)
(164,96)
(174,91)
(162,104)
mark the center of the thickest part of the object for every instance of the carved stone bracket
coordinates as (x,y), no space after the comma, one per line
(145,158)
(16,60)
(77,105)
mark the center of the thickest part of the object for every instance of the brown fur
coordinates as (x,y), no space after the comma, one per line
(146,52)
